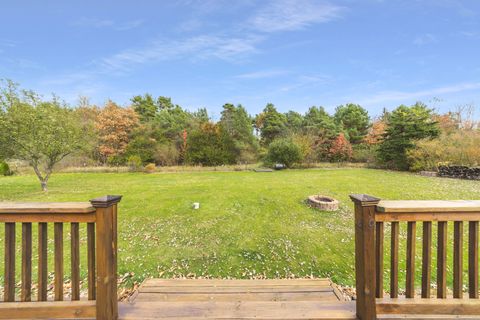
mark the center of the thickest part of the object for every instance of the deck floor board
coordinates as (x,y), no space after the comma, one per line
(237,299)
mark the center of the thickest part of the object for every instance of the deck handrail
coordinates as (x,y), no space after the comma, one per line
(100,217)
(372,213)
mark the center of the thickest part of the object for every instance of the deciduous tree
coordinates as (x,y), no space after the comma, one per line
(114,125)
(37,131)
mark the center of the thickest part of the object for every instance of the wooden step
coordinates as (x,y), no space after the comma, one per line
(238,310)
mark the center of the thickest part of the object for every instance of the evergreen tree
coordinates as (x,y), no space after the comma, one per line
(145,106)
(405,125)
(272,125)
(354,121)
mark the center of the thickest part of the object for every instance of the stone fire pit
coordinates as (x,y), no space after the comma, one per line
(323,202)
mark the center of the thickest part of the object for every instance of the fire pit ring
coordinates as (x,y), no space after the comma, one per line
(324,203)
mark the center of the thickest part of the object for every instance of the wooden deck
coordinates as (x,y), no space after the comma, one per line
(237,299)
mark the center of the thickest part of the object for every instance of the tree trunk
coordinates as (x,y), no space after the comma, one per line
(43,180)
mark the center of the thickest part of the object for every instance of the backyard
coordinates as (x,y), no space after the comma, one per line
(249,225)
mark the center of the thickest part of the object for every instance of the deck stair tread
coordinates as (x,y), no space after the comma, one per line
(238,310)
(237,299)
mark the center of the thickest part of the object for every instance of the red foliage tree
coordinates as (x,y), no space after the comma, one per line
(341,149)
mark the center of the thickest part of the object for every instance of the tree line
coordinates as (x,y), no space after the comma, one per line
(155,130)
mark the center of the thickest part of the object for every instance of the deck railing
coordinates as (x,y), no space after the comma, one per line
(371,218)
(100,217)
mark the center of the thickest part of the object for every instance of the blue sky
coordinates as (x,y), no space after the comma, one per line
(294,54)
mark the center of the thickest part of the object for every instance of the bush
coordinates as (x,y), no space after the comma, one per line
(166,155)
(134,163)
(150,168)
(5,169)
(284,151)
(459,148)
(364,153)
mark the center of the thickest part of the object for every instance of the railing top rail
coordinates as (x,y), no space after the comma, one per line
(430,206)
(45,207)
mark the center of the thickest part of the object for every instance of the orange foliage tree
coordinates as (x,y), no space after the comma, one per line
(341,149)
(376,131)
(114,125)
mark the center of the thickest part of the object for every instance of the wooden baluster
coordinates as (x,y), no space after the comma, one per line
(410,279)
(42,261)
(26,289)
(91,261)
(442,260)
(394,260)
(75,260)
(106,256)
(9,287)
(58,237)
(426,259)
(379,235)
(458,259)
(365,255)
(473,259)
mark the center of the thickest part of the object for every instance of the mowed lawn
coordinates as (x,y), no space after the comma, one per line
(249,224)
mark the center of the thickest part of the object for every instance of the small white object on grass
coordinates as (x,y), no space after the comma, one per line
(196,205)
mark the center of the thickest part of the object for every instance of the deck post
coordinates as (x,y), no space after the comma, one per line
(106,261)
(365,255)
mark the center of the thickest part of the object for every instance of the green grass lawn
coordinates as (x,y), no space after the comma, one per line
(249,224)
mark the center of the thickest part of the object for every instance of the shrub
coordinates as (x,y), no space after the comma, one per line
(134,162)
(166,155)
(459,148)
(364,153)
(150,168)
(5,169)
(284,151)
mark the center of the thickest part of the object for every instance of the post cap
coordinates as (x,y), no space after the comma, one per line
(105,201)
(364,199)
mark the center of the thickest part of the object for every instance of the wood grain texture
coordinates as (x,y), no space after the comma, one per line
(106,280)
(42,261)
(46,207)
(458,259)
(91,261)
(9,277)
(47,217)
(431,206)
(426,259)
(48,310)
(442,260)
(26,285)
(239,310)
(379,235)
(427,216)
(473,259)
(365,259)
(394,260)
(418,306)
(58,252)
(410,264)
(75,260)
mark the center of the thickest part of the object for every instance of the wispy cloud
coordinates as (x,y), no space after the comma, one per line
(424,39)
(194,48)
(287,15)
(305,81)
(262,74)
(403,96)
(107,23)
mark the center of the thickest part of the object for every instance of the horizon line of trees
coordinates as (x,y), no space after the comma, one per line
(155,130)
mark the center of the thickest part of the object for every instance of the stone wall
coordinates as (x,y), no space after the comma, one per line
(460,172)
